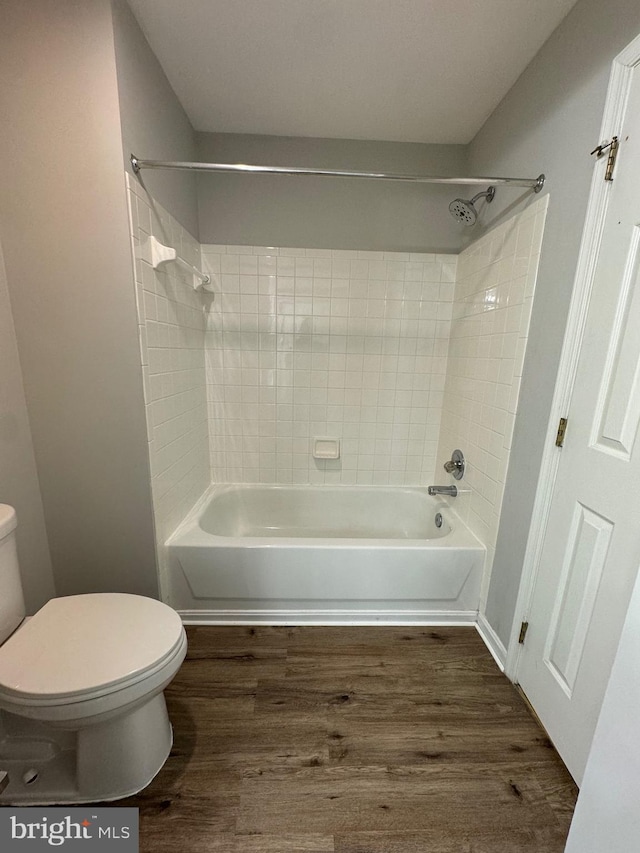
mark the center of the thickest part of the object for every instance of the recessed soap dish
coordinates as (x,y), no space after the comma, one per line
(326,448)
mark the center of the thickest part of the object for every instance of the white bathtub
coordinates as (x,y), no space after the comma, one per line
(323,554)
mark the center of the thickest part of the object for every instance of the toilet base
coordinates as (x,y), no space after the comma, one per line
(106,761)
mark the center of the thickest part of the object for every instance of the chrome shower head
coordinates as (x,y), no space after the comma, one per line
(463,209)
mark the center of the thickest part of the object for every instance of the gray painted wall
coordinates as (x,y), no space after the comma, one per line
(154,125)
(63,225)
(19,485)
(325,213)
(549,122)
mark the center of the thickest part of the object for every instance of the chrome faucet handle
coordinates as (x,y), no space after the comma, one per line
(455,465)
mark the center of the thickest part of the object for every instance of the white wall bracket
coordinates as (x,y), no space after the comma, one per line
(159,254)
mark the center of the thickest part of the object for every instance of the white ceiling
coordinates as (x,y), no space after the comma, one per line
(399,70)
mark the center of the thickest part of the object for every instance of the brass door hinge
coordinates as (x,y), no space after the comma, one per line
(523,632)
(562,428)
(613,147)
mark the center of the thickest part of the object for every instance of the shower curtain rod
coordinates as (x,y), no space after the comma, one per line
(137,165)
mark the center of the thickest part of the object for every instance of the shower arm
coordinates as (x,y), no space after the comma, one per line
(490,193)
(536,184)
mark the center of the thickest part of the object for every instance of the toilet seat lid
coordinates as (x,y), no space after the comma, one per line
(83,643)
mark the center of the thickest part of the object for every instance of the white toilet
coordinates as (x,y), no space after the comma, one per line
(82,713)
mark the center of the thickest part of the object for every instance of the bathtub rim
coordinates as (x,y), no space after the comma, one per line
(189,533)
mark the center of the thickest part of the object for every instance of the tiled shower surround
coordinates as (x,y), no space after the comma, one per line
(402,357)
(496,278)
(306,343)
(172,320)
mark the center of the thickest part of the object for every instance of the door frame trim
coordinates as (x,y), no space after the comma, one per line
(599,195)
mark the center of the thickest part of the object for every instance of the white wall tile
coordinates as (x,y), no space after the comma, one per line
(488,336)
(172,323)
(356,344)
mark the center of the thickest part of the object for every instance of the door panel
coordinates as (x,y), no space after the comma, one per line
(576,595)
(618,407)
(591,546)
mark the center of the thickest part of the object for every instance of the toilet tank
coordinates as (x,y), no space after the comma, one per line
(12,610)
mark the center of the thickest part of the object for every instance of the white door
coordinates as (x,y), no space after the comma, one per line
(591,547)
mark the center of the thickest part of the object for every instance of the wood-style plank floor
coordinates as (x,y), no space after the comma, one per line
(352,740)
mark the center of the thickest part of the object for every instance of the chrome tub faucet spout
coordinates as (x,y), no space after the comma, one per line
(451,491)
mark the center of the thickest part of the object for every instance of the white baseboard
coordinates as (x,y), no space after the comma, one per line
(284,618)
(491,641)
(434,618)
